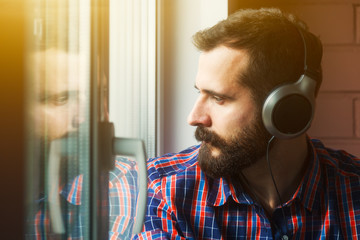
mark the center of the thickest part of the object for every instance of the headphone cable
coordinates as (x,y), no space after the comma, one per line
(273,180)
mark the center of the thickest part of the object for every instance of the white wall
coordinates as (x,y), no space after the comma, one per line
(178,60)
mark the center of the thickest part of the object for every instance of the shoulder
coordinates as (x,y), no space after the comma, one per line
(173,163)
(342,184)
(340,161)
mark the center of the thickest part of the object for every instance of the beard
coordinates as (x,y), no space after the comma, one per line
(238,152)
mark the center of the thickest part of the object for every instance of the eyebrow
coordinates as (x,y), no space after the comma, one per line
(48,95)
(214,93)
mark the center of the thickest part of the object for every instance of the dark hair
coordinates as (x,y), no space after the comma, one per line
(274,45)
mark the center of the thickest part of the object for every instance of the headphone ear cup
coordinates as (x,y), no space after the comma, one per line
(289,109)
(292,114)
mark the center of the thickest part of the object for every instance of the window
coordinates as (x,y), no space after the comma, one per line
(133,70)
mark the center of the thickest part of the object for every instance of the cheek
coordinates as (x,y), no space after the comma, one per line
(38,121)
(58,124)
(54,123)
(232,122)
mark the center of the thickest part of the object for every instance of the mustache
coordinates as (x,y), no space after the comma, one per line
(204,135)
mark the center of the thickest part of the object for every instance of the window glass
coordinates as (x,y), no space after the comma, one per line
(58,100)
(132,73)
(74,180)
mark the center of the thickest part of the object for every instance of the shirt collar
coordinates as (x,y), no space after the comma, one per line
(311,187)
(72,191)
(221,189)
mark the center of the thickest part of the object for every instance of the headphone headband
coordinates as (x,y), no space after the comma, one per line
(311,64)
(289,109)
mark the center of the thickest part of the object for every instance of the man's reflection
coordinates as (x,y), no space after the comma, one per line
(56,110)
(59,89)
(58,114)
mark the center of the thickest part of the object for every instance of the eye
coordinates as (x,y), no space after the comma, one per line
(60,99)
(219,100)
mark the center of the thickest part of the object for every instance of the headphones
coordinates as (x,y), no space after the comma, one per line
(289,109)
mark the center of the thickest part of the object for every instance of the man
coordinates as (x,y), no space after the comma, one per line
(57,113)
(247,180)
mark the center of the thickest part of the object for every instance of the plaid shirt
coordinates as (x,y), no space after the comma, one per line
(183,203)
(122,206)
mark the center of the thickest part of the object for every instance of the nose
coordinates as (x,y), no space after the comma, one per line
(77,120)
(78,112)
(199,115)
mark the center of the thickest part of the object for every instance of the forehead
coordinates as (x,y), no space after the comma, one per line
(220,68)
(56,71)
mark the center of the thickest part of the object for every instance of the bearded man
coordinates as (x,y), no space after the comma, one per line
(256,173)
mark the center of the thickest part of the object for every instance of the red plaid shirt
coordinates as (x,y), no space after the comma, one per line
(183,203)
(122,206)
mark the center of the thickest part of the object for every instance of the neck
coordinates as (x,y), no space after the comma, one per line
(288,162)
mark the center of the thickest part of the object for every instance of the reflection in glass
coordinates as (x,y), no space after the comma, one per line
(58,100)
(60,190)
(59,133)
(123,193)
